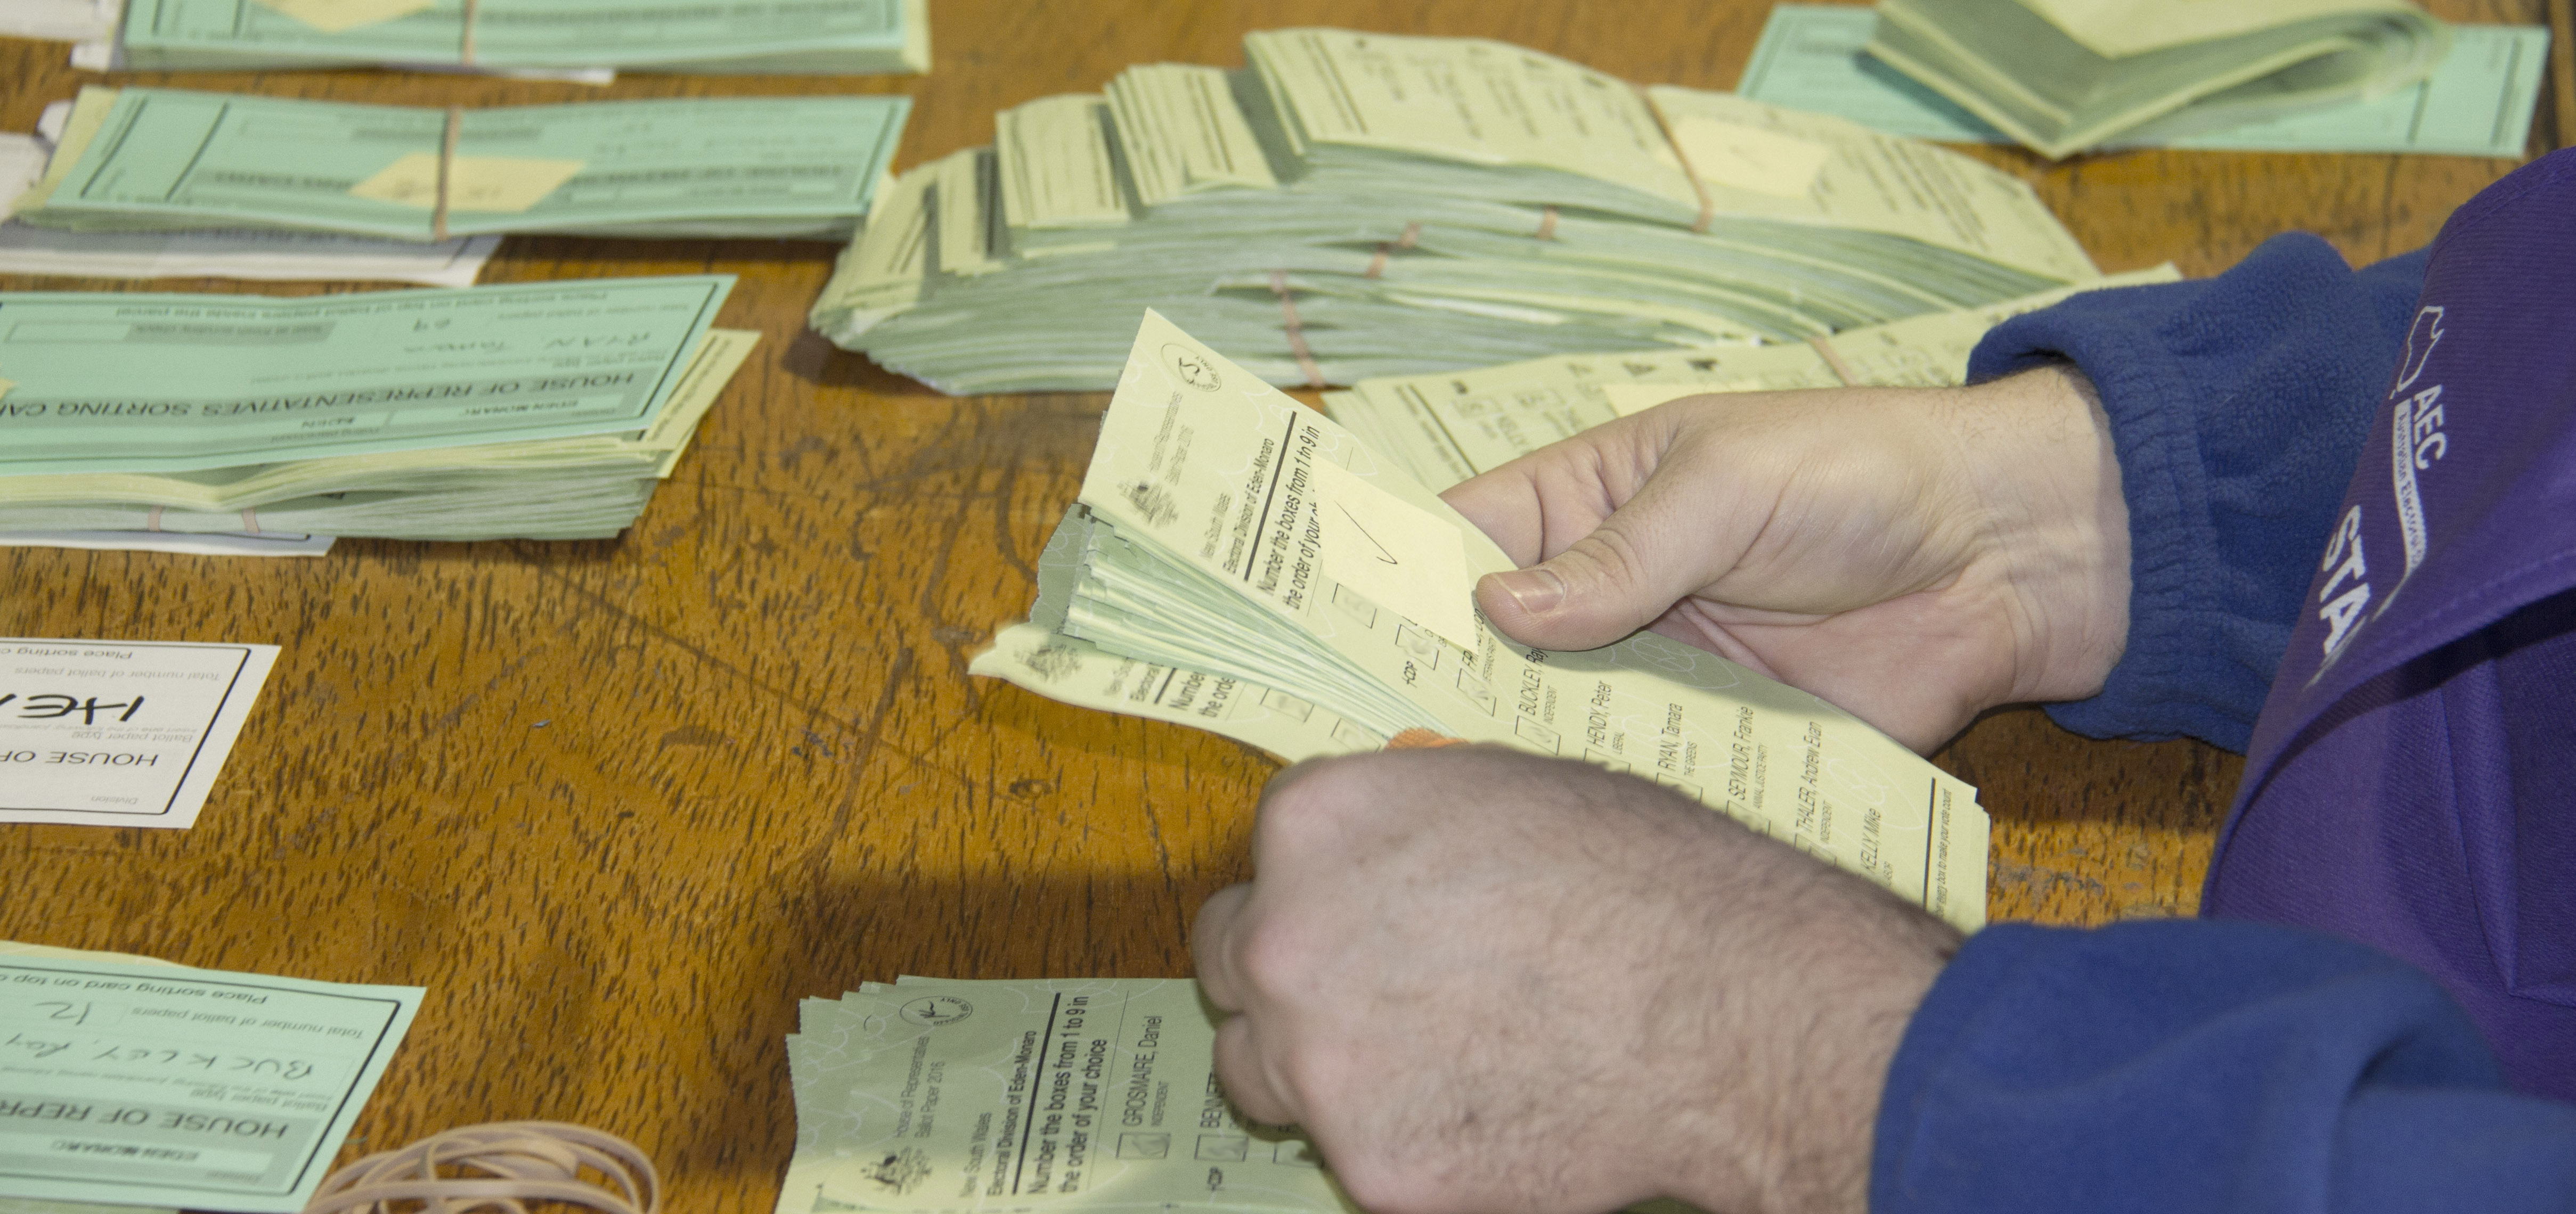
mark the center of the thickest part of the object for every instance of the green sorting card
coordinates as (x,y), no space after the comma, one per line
(516,33)
(2478,103)
(165,1085)
(225,160)
(174,383)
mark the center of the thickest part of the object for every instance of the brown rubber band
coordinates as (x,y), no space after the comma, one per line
(465,37)
(1834,360)
(1547,224)
(1707,204)
(446,170)
(250,522)
(153,521)
(498,1166)
(1296,331)
(1418,738)
(1377,264)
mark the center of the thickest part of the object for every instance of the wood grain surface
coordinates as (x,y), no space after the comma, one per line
(618,805)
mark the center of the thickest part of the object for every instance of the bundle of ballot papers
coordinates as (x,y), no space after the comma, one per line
(1352,205)
(799,36)
(533,411)
(141,159)
(2063,76)
(931,1095)
(1240,563)
(252,253)
(1443,428)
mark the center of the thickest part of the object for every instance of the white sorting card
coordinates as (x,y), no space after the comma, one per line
(119,733)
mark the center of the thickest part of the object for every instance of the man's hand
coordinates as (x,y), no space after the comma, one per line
(1491,983)
(1915,556)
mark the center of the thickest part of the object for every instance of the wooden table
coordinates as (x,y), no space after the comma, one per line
(618,805)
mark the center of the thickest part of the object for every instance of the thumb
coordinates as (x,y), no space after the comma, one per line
(1642,559)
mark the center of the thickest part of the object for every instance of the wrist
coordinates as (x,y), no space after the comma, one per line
(2042,467)
(1799,1095)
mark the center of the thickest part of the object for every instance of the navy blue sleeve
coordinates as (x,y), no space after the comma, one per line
(2204,1066)
(2238,405)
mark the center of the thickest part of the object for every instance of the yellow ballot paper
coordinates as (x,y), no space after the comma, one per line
(333,16)
(1749,157)
(508,184)
(1195,581)
(1093,1094)
(1445,428)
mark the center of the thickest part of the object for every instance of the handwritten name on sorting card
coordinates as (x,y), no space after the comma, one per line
(119,733)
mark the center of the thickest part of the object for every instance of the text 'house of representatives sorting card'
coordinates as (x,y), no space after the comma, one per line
(171,1086)
(119,733)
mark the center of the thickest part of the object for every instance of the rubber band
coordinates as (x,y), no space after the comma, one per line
(1377,264)
(250,522)
(446,170)
(1707,204)
(1418,738)
(1547,224)
(465,38)
(1296,331)
(1834,361)
(153,521)
(502,1164)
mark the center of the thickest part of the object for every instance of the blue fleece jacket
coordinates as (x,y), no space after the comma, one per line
(2353,507)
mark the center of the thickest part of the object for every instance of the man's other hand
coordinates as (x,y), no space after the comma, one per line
(1491,983)
(1916,556)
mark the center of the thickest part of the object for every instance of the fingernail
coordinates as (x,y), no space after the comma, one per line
(1535,591)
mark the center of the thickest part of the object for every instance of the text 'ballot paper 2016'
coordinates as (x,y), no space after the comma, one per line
(150,1084)
(119,733)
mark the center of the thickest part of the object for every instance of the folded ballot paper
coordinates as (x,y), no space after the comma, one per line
(239,253)
(935,1096)
(1353,204)
(140,159)
(533,411)
(1240,563)
(1441,429)
(2065,76)
(741,36)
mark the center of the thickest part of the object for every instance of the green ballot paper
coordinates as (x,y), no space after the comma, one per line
(1240,563)
(153,1084)
(162,159)
(803,36)
(170,383)
(930,1096)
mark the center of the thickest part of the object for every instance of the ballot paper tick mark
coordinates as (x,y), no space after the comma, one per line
(1383,556)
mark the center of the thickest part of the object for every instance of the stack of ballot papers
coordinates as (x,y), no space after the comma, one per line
(238,253)
(937,1096)
(1352,205)
(532,411)
(154,160)
(1441,429)
(2064,76)
(133,1082)
(799,36)
(1240,563)
(2477,103)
